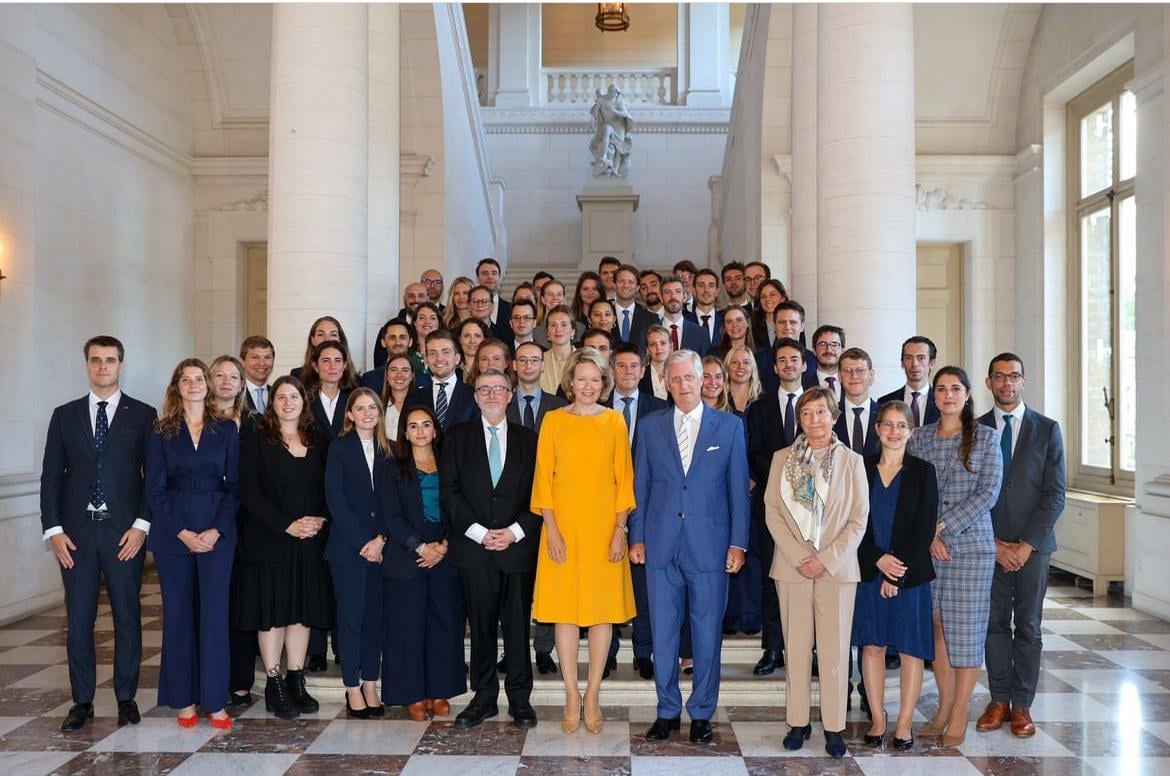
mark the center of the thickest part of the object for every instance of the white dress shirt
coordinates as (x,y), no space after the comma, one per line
(329,405)
(476,531)
(449,387)
(620,311)
(111,407)
(694,420)
(847,411)
(1017,418)
(619,405)
(822,380)
(368,451)
(710,326)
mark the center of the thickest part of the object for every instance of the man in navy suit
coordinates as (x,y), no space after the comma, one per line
(94,515)
(828,344)
(1030,501)
(443,390)
(258,356)
(530,404)
(691,530)
(632,319)
(857,423)
(684,334)
(772,425)
(918,355)
(487,274)
(704,312)
(788,321)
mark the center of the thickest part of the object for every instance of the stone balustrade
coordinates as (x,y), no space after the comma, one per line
(576,86)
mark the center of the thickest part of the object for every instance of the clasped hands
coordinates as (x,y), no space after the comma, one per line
(1012,556)
(892,568)
(430,554)
(305,527)
(204,541)
(498,539)
(811,567)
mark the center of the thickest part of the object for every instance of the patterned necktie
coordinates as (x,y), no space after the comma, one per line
(626,412)
(1005,442)
(441,406)
(858,431)
(914,407)
(495,458)
(790,419)
(684,444)
(832,381)
(529,415)
(674,336)
(625,325)
(259,399)
(101,430)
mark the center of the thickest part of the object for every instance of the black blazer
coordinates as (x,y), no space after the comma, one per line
(251,402)
(467,497)
(765,435)
(355,509)
(930,415)
(647,403)
(71,460)
(402,507)
(915,519)
(844,428)
(273,493)
(548,402)
(331,430)
(640,321)
(1031,498)
(461,406)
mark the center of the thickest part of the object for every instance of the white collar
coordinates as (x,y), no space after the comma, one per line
(1017,413)
(112,401)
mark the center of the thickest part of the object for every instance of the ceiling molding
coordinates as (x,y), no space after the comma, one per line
(229,167)
(222,116)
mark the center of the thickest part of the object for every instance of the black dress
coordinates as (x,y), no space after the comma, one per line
(281,580)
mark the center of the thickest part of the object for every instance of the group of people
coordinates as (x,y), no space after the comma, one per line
(635,456)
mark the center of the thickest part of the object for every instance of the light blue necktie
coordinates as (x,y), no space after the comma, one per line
(495,458)
(625,325)
(1005,442)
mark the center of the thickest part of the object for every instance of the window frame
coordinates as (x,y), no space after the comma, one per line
(1112,480)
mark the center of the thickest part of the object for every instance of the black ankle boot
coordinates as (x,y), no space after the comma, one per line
(277,700)
(294,681)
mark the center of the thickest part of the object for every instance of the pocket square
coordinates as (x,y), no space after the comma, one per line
(712,447)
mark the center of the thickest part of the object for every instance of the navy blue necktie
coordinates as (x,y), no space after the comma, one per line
(1005,442)
(101,431)
(858,431)
(441,406)
(790,419)
(529,415)
(625,325)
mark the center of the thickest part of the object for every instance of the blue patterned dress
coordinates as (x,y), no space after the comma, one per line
(962,585)
(902,623)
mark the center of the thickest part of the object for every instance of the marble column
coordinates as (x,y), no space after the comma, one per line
(804,159)
(514,41)
(318,169)
(383,288)
(704,75)
(866,266)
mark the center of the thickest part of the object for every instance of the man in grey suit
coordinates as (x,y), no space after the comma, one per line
(1030,501)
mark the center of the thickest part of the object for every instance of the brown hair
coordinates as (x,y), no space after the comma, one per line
(104,341)
(239,405)
(403,450)
(967,415)
(172,411)
(380,439)
(309,357)
(268,426)
(349,378)
(256,342)
(812,394)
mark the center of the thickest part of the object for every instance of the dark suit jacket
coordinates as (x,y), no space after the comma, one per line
(693,337)
(694,316)
(461,406)
(331,430)
(193,488)
(640,321)
(647,403)
(269,501)
(71,460)
(402,507)
(251,402)
(355,502)
(809,380)
(766,435)
(844,429)
(930,415)
(915,518)
(548,401)
(1032,495)
(374,378)
(467,496)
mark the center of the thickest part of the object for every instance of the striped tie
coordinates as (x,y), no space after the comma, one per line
(684,444)
(441,406)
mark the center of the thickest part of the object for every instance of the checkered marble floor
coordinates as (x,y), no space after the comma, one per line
(1103,708)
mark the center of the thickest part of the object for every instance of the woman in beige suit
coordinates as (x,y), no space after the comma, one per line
(817,504)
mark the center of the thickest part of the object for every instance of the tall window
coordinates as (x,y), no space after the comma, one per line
(1102,127)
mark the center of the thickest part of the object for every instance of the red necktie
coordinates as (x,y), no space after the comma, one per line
(674,336)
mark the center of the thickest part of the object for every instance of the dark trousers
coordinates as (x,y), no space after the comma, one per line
(499,602)
(423,619)
(195,593)
(357,636)
(1013,653)
(244,648)
(319,637)
(763,547)
(95,559)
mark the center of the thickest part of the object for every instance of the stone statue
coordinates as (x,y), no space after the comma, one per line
(613,124)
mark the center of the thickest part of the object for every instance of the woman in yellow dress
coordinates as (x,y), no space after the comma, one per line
(584,489)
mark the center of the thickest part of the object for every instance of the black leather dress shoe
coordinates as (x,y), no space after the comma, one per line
(660,730)
(240,700)
(768,663)
(796,737)
(701,731)
(835,745)
(80,714)
(475,714)
(645,667)
(128,713)
(545,664)
(893,662)
(502,666)
(610,666)
(316,664)
(523,716)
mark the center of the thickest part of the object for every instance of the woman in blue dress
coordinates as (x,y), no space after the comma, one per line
(893,604)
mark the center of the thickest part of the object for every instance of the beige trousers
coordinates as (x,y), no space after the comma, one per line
(820,614)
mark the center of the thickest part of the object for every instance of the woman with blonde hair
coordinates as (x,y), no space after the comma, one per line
(584,490)
(458,304)
(192,476)
(657,349)
(227,388)
(743,380)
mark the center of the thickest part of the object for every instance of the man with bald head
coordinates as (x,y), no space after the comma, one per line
(432,279)
(412,296)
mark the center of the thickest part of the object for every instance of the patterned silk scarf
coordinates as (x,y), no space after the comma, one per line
(801,470)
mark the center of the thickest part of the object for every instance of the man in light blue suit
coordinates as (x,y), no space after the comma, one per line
(690,528)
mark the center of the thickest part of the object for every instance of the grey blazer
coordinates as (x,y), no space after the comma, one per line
(1032,495)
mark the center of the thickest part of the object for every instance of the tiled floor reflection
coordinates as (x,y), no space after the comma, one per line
(1103,708)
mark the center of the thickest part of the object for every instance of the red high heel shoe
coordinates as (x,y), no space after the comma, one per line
(220,723)
(188,722)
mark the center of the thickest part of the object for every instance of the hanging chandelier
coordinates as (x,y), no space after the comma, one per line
(612,17)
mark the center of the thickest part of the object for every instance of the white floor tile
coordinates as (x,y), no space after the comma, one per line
(1130,766)
(366,737)
(1106,680)
(1137,658)
(1069,707)
(887,765)
(217,764)
(547,739)
(33,763)
(676,766)
(8,724)
(461,765)
(1001,743)
(1080,627)
(157,734)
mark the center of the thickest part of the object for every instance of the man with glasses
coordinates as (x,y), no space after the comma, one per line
(857,423)
(828,342)
(1024,516)
(523,320)
(918,356)
(755,273)
(432,279)
(480,301)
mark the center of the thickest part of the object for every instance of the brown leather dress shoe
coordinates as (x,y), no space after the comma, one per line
(993,717)
(1022,723)
(417,711)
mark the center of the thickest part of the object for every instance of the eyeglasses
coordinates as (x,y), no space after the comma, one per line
(828,346)
(530,360)
(889,425)
(523,318)
(434,282)
(859,371)
(492,390)
(481,301)
(1012,377)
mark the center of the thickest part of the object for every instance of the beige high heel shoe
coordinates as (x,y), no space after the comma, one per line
(593,722)
(570,722)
